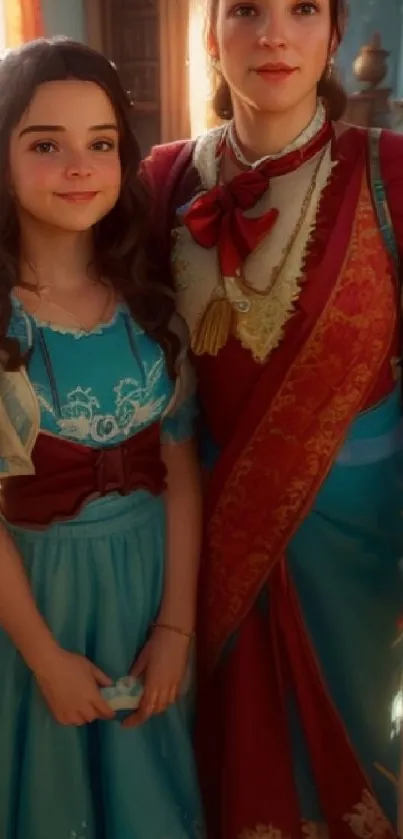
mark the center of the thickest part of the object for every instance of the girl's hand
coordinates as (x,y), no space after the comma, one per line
(161,666)
(70,684)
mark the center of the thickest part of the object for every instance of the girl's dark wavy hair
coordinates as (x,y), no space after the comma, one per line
(120,238)
(329,87)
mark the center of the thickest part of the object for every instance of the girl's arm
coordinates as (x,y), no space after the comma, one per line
(19,616)
(163,661)
(69,682)
(183,502)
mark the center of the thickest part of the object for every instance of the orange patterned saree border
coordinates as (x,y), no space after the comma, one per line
(293,448)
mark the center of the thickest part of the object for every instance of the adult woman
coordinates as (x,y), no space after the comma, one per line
(99,501)
(290,294)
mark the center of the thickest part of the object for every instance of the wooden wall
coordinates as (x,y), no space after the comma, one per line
(129,30)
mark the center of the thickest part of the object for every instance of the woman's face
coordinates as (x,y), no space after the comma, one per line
(64,164)
(272,53)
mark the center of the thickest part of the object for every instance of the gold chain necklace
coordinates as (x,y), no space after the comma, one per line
(241,280)
(44,295)
(217,321)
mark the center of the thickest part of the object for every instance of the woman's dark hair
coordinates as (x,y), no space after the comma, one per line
(329,88)
(121,237)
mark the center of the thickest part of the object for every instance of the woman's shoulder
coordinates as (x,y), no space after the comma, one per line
(390,143)
(354,142)
(391,170)
(391,155)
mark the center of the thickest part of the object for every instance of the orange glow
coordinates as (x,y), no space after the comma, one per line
(23,21)
(200,83)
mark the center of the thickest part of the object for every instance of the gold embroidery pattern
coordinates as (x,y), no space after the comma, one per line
(294,446)
(310,830)
(367,820)
(258,321)
(263,832)
(260,326)
(313,830)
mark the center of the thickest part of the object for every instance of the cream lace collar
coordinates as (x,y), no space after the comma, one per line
(205,151)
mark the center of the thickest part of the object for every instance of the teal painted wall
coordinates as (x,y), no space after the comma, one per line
(64,17)
(365,18)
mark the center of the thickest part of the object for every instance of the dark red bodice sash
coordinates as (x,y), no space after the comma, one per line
(68,475)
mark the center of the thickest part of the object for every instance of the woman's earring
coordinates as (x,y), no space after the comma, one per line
(329,67)
(215,61)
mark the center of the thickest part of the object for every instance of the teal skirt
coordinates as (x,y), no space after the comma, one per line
(98,583)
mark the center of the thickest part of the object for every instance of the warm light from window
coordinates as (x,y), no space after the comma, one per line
(199,71)
(3,34)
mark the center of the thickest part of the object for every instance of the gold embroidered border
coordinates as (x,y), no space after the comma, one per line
(293,448)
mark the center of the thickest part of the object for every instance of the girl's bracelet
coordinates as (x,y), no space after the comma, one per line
(176,629)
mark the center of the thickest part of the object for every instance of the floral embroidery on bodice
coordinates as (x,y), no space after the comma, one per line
(102,387)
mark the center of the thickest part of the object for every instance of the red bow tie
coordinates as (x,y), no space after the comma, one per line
(217,218)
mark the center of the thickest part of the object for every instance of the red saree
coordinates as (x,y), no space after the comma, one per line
(329,367)
(279,429)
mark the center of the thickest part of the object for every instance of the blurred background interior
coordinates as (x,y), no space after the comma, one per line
(158,48)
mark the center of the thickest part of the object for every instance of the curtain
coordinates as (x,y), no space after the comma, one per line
(23,21)
(174,85)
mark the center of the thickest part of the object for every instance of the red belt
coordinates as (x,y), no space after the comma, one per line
(69,475)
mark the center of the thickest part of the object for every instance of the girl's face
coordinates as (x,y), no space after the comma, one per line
(272,53)
(64,165)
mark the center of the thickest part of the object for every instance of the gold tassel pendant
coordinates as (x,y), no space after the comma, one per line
(214,327)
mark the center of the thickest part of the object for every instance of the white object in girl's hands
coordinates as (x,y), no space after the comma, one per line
(124,695)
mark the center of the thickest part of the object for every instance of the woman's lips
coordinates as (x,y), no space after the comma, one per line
(275,72)
(77,197)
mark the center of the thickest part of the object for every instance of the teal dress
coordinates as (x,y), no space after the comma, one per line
(97,581)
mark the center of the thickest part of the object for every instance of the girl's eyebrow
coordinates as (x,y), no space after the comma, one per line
(34,129)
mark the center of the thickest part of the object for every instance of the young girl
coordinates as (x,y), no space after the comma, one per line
(285,264)
(99,538)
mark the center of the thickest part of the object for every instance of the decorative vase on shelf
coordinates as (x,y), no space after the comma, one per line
(370,66)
